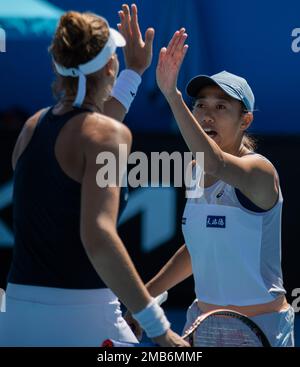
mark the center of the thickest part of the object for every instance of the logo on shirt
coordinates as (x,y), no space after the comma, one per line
(220,194)
(216,221)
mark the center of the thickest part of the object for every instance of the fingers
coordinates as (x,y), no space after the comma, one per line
(129,25)
(149,37)
(121,25)
(181,49)
(181,42)
(176,49)
(185,48)
(174,41)
(180,39)
(162,55)
(125,25)
(182,56)
(184,51)
(136,32)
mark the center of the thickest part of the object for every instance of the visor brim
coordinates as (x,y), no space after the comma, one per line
(118,38)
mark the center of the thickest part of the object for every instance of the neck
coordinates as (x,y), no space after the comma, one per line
(238,150)
(95,104)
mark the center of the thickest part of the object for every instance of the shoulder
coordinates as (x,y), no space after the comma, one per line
(102,132)
(26,135)
(33,120)
(263,181)
(260,166)
(98,128)
(31,123)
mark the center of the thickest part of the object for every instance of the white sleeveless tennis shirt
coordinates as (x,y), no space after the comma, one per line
(235,252)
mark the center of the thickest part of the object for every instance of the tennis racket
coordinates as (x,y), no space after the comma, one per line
(225,328)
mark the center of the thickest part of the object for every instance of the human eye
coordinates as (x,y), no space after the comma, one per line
(199,105)
(221,106)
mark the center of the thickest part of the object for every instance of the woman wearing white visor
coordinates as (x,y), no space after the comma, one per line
(233,230)
(69,262)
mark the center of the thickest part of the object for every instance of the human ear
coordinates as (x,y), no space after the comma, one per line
(246,120)
(109,67)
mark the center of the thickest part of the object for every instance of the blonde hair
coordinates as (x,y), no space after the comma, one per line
(79,37)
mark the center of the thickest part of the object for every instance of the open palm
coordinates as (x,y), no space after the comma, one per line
(137,52)
(169,63)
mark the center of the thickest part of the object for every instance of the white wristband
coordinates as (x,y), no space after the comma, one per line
(161,298)
(126,87)
(152,319)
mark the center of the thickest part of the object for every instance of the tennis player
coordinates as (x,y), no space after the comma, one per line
(233,231)
(69,264)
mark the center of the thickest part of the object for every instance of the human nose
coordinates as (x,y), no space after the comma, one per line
(207,117)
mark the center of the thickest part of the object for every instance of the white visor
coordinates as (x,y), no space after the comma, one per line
(115,40)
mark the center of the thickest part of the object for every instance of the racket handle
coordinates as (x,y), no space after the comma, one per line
(162,297)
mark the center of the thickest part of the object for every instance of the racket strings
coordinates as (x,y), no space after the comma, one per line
(219,331)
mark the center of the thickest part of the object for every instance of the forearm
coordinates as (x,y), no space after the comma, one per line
(177,269)
(113,264)
(194,136)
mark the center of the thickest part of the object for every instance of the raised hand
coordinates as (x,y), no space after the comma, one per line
(137,52)
(169,63)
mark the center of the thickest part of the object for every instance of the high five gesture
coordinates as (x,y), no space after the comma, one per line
(137,52)
(169,63)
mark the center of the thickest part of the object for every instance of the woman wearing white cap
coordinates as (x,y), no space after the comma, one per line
(69,261)
(233,231)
